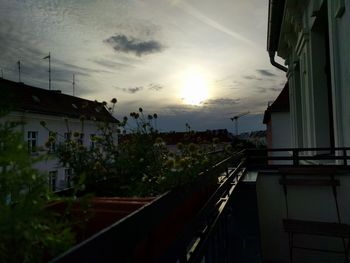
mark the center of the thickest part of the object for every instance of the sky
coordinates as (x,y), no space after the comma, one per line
(199,62)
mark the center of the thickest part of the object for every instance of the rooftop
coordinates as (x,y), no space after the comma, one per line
(281,104)
(21,97)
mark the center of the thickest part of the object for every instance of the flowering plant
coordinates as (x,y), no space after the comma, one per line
(140,164)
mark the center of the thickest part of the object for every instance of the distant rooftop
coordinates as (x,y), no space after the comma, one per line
(281,104)
(172,138)
(18,96)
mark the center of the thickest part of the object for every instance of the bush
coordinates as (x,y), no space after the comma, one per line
(28,232)
(139,165)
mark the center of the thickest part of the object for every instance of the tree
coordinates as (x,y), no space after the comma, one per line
(28,231)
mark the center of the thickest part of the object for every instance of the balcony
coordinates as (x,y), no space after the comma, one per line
(283,205)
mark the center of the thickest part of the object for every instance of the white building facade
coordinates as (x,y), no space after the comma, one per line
(277,120)
(313,39)
(61,113)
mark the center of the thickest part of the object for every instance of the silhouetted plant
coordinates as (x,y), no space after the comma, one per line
(140,164)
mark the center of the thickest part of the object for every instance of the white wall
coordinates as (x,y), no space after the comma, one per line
(340,56)
(301,44)
(280,126)
(305,203)
(281,130)
(57,124)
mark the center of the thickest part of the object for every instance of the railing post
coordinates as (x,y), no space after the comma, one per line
(295,157)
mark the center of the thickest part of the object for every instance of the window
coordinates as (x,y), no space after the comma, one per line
(32,140)
(68,177)
(81,138)
(92,141)
(67,136)
(52,180)
(52,140)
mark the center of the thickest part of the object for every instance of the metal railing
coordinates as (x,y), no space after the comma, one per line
(177,226)
(207,237)
(298,156)
(192,224)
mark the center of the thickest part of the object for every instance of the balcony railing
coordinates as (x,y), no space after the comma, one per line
(298,156)
(178,225)
(199,223)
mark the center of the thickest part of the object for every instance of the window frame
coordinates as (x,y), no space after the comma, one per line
(52,146)
(53,174)
(68,172)
(32,141)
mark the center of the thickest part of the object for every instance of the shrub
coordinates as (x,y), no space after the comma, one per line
(139,165)
(28,231)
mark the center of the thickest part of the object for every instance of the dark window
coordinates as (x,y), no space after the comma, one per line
(32,139)
(92,141)
(67,136)
(68,176)
(81,138)
(52,180)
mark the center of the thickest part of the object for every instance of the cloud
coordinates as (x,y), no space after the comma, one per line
(122,43)
(191,10)
(275,89)
(252,77)
(266,72)
(174,117)
(135,89)
(221,102)
(111,64)
(261,89)
(229,82)
(131,90)
(155,87)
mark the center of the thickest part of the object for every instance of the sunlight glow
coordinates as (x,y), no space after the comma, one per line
(195,88)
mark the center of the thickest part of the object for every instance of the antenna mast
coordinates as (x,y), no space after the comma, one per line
(73,84)
(49,71)
(19,70)
(49,57)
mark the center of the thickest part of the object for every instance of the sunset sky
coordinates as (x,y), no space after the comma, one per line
(191,61)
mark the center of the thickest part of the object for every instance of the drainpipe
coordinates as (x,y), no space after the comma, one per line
(274,63)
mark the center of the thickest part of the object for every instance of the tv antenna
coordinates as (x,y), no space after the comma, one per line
(49,57)
(73,84)
(19,70)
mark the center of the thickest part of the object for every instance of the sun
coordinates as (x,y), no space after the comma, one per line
(195,88)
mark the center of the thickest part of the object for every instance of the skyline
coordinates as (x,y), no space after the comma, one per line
(148,55)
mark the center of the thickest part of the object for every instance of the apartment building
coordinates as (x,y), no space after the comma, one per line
(62,114)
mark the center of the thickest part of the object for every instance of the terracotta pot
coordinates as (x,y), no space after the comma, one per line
(92,215)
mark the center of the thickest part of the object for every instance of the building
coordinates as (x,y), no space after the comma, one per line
(312,37)
(277,120)
(299,209)
(206,139)
(209,140)
(62,113)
